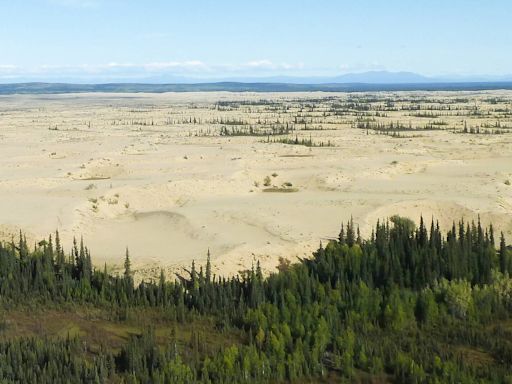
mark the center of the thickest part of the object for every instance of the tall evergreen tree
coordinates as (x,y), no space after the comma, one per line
(503,255)
(127,265)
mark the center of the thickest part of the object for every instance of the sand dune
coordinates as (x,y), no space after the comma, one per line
(126,171)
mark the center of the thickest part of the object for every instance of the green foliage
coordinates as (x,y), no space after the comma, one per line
(409,304)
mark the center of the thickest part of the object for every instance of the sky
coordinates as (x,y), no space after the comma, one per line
(136,40)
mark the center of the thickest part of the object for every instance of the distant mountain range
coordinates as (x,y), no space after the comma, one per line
(371,77)
(352,82)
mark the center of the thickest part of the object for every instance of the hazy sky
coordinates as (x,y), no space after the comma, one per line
(109,39)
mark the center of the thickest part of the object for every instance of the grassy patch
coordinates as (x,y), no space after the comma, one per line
(296,155)
(475,356)
(93,178)
(281,190)
(96,327)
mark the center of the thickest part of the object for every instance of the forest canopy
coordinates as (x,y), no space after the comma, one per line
(409,304)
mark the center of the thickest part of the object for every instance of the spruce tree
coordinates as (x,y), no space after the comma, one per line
(350,233)
(341,236)
(127,265)
(503,254)
(208,267)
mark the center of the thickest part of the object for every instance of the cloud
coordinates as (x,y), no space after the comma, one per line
(181,66)
(260,64)
(8,71)
(8,68)
(119,71)
(267,64)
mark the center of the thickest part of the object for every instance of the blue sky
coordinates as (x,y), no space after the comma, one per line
(101,40)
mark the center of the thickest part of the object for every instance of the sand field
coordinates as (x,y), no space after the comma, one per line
(137,171)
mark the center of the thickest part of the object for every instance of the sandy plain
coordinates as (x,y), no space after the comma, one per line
(150,172)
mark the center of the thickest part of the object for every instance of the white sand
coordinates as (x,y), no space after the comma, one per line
(169,196)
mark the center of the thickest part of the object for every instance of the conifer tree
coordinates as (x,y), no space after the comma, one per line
(208,268)
(341,236)
(127,265)
(503,255)
(350,233)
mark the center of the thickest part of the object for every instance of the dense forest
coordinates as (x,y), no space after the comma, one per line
(410,304)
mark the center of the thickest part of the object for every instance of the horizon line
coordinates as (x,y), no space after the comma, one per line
(259,87)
